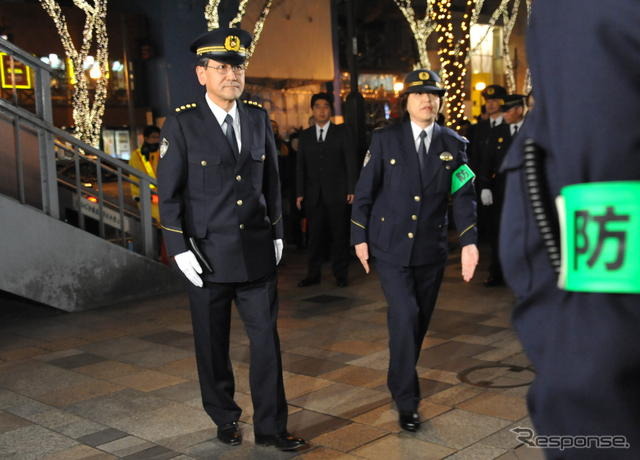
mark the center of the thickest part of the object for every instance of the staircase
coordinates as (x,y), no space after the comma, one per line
(70,236)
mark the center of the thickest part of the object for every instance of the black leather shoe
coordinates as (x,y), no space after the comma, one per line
(493,282)
(409,421)
(342,282)
(308,282)
(284,441)
(230,434)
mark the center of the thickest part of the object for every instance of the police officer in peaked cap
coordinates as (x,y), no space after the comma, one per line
(221,212)
(399,219)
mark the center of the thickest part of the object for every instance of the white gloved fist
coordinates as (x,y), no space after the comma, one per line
(189,266)
(486,197)
(278,245)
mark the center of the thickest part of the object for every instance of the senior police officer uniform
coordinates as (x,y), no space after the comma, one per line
(400,210)
(583,341)
(225,195)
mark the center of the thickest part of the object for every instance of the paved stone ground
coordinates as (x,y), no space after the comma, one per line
(120,382)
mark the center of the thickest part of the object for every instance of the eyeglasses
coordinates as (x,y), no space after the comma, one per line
(223,69)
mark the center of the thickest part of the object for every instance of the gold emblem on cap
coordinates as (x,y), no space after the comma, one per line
(490,91)
(232,43)
(446,156)
(424,76)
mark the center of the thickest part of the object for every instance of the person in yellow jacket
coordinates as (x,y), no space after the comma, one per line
(145,159)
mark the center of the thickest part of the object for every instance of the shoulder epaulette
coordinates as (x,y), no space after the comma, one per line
(185,107)
(253,104)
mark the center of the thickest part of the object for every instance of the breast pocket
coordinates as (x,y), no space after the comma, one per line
(205,173)
(258,157)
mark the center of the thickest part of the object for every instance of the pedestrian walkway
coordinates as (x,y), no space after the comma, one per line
(121,382)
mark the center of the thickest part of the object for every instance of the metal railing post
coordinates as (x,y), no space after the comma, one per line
(48,175)
(145,217)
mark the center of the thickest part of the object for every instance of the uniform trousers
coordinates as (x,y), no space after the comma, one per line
(257,303)
(411,293)
(335,218)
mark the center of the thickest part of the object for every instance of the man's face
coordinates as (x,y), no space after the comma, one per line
(222,83)
(514,115)
(321,111)
(493,106)
(423,107)
(153,138)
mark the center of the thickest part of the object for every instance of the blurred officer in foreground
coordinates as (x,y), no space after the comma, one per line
(579,329)
(491,181)
(399,218)
(220,207)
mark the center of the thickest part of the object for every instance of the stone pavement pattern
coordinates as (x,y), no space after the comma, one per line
(121,382)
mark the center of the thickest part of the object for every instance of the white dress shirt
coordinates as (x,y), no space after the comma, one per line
(513,125)
(324,129)
(495,121)
(416,135)
(221,114)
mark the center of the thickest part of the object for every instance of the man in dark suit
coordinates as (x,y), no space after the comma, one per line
(578,293)
(326,175)
(399,217)
(220,205)
(491,181)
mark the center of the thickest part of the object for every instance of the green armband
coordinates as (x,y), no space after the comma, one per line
(600,237)
(461,176)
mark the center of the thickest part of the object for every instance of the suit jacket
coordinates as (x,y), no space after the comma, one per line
(496,149)
(478,143)
(232,205)
(326,170)
(404,220)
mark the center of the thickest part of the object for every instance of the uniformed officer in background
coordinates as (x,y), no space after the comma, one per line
(220,205)
(581,330)
(491,181)
(493,96)
(399,218)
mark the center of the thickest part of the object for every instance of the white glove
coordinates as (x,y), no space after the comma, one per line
(277,245)
(486,197)
(188,264)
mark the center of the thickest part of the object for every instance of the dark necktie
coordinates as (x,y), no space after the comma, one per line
(231,135)
(422,153)
(320,139)
(493,123)
(515,130)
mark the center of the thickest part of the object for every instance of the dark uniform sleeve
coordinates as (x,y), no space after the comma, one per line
(464,205)
(271,187)
(366,191)
(171,182)
(349,149)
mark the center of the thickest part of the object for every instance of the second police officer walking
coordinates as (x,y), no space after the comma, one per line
(399,219)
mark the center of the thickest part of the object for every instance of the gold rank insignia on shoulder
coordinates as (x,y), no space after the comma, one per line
(253,103)
(182,108)
(446,156)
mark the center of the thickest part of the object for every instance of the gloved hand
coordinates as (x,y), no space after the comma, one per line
(486,197)
(278,245)
(188,264)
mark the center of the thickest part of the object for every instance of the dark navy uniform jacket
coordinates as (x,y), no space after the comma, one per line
(205,193)
(403,220)
(584,346)
(494,153)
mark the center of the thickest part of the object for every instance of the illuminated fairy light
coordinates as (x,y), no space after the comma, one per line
(421,29)
(242,9)
(527,78)
(87,114)
(509,21)
(211,14)
(453,50)
(257,29)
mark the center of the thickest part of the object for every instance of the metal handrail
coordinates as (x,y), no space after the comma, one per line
(40,124)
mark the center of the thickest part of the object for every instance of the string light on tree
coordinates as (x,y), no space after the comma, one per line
(87,114)
(420,28)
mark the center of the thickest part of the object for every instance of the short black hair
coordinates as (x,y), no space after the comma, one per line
(326,96)
(149,130)
(202,61)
